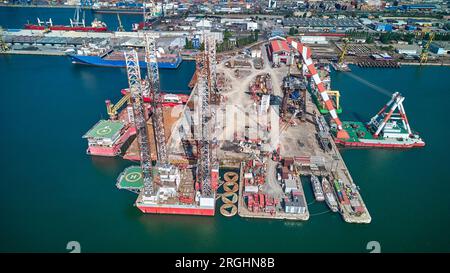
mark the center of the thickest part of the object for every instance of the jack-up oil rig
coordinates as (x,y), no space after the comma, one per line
(165,187)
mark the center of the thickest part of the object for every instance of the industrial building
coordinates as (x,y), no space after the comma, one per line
(440,48)
(407,49)
(279,51)
(246,23)
(313,40)
(382,27)
(322,24)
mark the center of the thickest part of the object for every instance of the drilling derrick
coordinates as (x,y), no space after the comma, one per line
(210,52)
(207,166)
(134,81)
(203,165)
(155,94)
(211,63)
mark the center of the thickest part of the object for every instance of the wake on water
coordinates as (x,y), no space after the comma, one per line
(371,85)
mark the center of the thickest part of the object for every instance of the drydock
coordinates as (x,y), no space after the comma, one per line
(274,128)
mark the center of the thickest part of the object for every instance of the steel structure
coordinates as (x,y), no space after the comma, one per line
(113,108)
(382,117)
(210,52)
(206,90)
(424,53)
(3,45)
(149,11)
(344,51)
(135,83)
(87,3)
(120,26)
(305,52)
(155,94)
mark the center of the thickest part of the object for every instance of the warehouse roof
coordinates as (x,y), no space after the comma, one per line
(279,46)
(320,22)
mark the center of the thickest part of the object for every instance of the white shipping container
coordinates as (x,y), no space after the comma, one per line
(248,175)
(251,188)
(207,202)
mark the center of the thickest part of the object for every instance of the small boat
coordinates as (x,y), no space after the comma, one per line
(329,195)
(342,67)
(317,188)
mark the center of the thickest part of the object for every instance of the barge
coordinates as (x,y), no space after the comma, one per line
(385,130)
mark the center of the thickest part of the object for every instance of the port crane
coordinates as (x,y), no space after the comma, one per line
(425,49)
(336,95)
(120,27)
(135,84)
(306,53)
(3,45)
(382,118)
(343,53)
(113,108)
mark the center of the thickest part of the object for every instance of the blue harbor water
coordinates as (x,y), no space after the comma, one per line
(53,193)
(16,18)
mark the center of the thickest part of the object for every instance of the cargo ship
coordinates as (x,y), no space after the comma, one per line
(317,188)
(106,137)
(387,129)
(75,25)
(116,58)
(167,99)
(330,199)
(112,10)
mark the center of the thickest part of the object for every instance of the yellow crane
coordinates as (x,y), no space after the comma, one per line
(425,49)
(113,108)
(344,51)
(336,95)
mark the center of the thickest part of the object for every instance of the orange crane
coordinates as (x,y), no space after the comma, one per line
(306,53)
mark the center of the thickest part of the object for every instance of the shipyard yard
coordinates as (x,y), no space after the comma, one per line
(274,144)
(183,131)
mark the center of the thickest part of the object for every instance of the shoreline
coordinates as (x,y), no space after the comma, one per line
(42,6)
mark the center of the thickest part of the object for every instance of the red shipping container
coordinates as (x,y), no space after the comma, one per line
(261,200)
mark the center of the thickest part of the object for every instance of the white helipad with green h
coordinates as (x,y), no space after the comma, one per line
(131,178)
(105,129)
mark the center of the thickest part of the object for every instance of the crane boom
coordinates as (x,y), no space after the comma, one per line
(113,108)
(344,51)
(424,54)
(305,52)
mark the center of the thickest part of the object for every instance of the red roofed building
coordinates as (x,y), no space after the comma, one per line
(279,51)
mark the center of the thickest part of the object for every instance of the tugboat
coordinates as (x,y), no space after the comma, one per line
(317,188)
(329,196)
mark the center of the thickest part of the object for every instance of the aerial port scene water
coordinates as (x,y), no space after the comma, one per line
(225,126)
